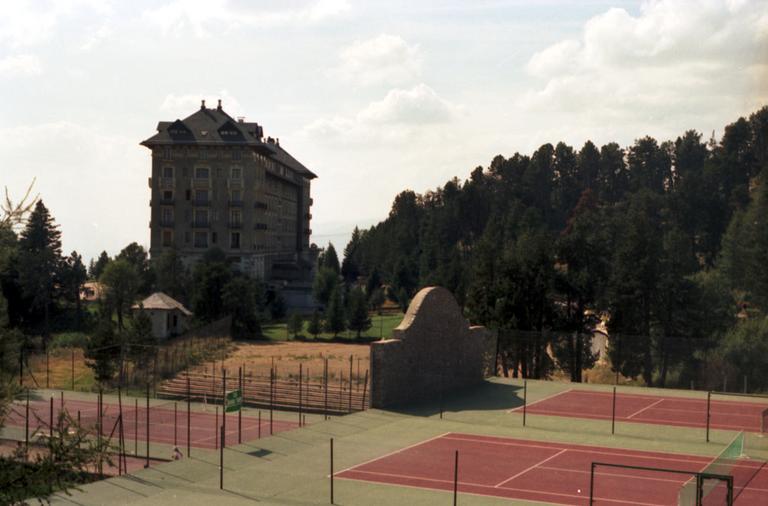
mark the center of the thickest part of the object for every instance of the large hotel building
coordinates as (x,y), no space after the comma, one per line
(217,182)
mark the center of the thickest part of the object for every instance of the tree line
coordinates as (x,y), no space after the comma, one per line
(664,240)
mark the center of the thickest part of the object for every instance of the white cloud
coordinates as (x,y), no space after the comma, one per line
(398,116)
(205,17)
(180,106)
(385,59)
(29,22)
(672,58)
(20,65)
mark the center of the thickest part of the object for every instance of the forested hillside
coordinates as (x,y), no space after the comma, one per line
(667,239)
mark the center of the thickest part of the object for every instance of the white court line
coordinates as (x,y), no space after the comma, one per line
(530,468)
(414,445)
(480,485)
(649,406)
(540,400)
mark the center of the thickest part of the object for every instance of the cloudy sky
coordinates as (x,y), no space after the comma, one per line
(373,96)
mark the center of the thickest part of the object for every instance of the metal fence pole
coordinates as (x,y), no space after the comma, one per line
(331,474)
(456,478)
(221,461)
(189,418)
(709,399)
(525,399)
(73,370)
(146,463)
(240,411)
(613,413)
(26,424)
(224,407)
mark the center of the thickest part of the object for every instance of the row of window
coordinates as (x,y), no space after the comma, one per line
(205,239)
(169,172)
(201,153)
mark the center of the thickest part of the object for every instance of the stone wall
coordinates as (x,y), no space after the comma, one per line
(433,348)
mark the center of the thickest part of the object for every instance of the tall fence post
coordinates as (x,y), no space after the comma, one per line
(456,478)
(271,396)
(365,389)
(73,369)
(240,411)
(189,418)
(26,426)
(331,474)
(301,377)
(146,463)
(709,400)
(224,407)
(221,461)
(349,404)
(325,387)
(525,399)
(613,413)
(47,369)
(136,427)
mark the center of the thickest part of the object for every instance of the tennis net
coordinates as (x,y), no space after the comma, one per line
(712,491)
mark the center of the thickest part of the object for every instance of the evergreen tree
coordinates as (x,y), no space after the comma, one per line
(103,351)
(325,282)
(315,324)
(140,345)
(376,300)
(241,298)
(170,275)
(277,307)
(73,275)
(350,269)
(98,266)
(334,316)
(39,262)
(121,284)
(329,259)
(211,275)
(137,256)
(357,310)
(295,324)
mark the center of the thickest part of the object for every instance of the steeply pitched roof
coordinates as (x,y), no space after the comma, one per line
(159,300)
(214,127)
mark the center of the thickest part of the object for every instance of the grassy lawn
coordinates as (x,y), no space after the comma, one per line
(381,327)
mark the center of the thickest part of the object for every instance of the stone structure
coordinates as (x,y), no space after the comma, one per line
(218,182)
(169,317)
(433,348)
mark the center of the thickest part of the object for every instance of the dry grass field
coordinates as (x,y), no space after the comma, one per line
(258,357)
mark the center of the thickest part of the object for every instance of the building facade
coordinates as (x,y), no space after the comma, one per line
(217,182)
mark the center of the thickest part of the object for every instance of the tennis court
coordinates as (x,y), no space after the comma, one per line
(556,473)
(656,409)
(166,424)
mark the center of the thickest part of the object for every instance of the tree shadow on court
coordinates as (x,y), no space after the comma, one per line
(486,396)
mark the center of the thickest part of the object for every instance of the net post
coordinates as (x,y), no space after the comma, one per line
(224,407)
(136,427)
(331,474)
(221,460)
(591,484)
(613,413)
(301,375)
(189,417)
(240,411)
(525,399)
(709,400)
(146,463)
(456,478)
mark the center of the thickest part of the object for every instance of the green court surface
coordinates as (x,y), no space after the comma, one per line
(292,467)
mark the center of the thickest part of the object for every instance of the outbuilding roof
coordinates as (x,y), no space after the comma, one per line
(159,300)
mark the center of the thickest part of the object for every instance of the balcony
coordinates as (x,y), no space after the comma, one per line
(308,216)
(235,203)
(167,182)
(201,182)
(201,202)
(260,226)
(200,223)
(235,224)
(165,202)
(166,223)
(307,231)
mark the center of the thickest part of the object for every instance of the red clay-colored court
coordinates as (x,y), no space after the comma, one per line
(662,410)
(164,427)
(555,473)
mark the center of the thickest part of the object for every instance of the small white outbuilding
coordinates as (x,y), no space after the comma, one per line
(169,316)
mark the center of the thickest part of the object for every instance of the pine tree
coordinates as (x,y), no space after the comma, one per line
(334,316)
(359,320)
(121,283)
(39,262)
(315,324)
(350,269)
(73,276)
(98,266)
(295,324)
(329,259)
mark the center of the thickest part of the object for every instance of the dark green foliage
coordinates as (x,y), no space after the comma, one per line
(349,268)
(137,256)
(67,461)
(103,351)
(170,275)
(315,324)
(211,275)
(39,264)
(376,299)
(242,298)
(744,349)
(325,282)
(97,267)
(277,306)
(330,259)
(121,285)
(334,315)
(295,324)
(357,312)
(140,344)
(72,277)
(533,244)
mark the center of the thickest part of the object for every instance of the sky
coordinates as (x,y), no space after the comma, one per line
(375,97)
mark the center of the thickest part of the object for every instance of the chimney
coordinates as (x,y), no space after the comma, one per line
(277,141)
(202,104)
(218,107)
